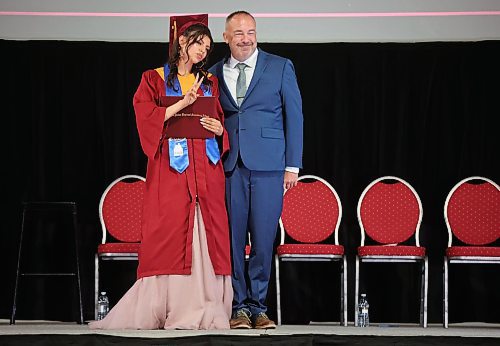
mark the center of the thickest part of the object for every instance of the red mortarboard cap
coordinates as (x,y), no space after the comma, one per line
(179,24)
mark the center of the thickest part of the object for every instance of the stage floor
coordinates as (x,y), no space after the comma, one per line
(468,330)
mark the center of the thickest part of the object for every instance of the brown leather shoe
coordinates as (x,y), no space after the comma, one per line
(240,321)
(263,322)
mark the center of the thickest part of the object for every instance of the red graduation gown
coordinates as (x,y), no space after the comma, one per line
(170,197)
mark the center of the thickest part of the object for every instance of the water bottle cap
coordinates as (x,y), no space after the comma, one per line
(103,293)
(363,294)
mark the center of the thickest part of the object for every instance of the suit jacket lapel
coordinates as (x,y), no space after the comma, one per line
(222,83)
(259,69)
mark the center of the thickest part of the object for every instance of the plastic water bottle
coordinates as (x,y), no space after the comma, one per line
(102,306)
(363,317)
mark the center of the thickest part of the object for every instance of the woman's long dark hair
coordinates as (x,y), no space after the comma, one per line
(193,34)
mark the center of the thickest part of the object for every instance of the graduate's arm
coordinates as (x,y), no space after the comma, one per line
(149,116)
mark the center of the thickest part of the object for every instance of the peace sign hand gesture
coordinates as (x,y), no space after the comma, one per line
(191,94)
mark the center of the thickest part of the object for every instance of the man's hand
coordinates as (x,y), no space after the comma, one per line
(290,180)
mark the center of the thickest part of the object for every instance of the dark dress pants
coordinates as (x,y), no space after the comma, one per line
(254,201)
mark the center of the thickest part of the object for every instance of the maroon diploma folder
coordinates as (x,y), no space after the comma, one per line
(186,123)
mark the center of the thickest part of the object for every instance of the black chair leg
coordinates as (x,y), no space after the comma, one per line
(16,285)
(77,264)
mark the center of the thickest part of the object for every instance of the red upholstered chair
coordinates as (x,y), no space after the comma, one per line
(247,252)
(311,213)
(120,212)
(472,215)
(389,215)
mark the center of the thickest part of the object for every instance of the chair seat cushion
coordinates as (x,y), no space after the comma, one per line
(399,250)
(310,249)
(118,248)
(476,251)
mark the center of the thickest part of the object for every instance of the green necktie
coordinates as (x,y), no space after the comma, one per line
(241,83)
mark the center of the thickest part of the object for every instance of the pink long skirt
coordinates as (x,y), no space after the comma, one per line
(201,300)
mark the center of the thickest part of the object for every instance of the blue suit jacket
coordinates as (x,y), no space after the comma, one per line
(267,130)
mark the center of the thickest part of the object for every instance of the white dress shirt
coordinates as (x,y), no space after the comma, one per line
(231,73)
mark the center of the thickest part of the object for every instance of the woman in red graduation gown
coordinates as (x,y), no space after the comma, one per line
(184,262)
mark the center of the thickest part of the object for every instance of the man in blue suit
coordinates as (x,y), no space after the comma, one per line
(263,117)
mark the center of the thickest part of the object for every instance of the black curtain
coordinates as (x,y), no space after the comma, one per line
(422,111)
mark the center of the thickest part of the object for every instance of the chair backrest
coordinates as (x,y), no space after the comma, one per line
(389,211)
(472,211)
(311,211)
(120,209)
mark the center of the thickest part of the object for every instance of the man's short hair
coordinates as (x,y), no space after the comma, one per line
(236,13)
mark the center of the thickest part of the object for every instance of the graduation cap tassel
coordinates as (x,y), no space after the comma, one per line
(174,27)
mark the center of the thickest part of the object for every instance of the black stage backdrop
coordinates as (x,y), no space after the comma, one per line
(422,111)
